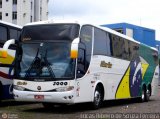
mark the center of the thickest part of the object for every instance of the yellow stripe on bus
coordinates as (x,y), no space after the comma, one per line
(144,69)
(7,60)
(123,89)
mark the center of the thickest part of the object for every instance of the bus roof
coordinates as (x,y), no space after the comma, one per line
(82,23)
(10,24)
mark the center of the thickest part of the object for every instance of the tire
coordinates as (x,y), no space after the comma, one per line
(98,98)
(148,94)
(144,97)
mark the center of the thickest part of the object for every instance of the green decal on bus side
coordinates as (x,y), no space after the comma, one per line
(131,82)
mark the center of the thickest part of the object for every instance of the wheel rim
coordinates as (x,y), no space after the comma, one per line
(143,96)
(97,97)
(148,94)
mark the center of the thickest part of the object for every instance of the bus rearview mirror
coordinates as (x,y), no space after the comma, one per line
(74,54)
(4,54)
(5,48)
(74,49)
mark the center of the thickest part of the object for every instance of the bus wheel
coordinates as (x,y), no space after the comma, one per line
(97,98)
(148,94)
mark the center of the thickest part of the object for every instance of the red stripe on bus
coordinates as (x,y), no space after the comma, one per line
(4,75)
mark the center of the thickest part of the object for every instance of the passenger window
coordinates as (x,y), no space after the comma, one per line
(101,43)
(117,46)
(120,47)
(19,33)
(3,33)
(133,50)
(13,34)
(86,40)
(125,49)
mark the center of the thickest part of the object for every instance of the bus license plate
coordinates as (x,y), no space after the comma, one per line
(39,97)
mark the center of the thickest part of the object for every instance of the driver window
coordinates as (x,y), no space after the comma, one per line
(84,51)
(81,69)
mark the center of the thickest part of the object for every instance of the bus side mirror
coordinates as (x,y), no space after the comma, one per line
(5,48)
(74,49)
(4,54)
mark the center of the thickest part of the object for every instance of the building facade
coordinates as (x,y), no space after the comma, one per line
(139,33)
(21,12)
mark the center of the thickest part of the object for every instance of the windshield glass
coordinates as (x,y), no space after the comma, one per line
(46,60)
(44,52)
(50,32)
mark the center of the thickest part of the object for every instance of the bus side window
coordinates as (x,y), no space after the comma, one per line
(81,68)
(85,49)
(101,43)
(81,56)
(13,34)
(133,51)
(81,65)
(120,47)
(18,34)
(3,33)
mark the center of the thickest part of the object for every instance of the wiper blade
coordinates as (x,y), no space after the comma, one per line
(47,64)
(34,65)
(38,64)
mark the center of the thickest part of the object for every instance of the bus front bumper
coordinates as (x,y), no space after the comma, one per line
(54,97)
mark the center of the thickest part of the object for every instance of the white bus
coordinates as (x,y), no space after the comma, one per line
(69,62)
(7,31)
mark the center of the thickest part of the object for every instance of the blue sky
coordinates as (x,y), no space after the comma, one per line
(139,12)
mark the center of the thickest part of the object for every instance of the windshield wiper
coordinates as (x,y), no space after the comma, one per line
(47,64)
(34,65)
(38,64)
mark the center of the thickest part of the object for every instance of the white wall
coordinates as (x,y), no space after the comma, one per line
(24,11)
(44,5)
(44,9)
(7,8)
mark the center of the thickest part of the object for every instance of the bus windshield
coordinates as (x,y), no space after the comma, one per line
(46,60)
(45,52)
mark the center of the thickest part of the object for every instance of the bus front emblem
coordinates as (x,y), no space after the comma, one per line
(39,87)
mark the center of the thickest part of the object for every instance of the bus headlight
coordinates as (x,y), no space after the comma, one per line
(18,88)
(63,89)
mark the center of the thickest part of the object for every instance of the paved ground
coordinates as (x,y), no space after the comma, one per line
(126,109)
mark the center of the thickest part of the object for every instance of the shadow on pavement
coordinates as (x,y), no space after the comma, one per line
(12,102)
(83,107)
